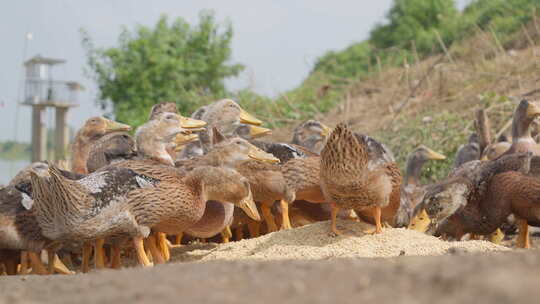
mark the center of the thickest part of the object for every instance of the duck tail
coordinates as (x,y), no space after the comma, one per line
(343,149)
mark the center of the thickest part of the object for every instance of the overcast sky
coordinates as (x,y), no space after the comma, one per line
(277,40)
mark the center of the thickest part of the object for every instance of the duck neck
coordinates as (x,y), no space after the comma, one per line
(195,182)
(79,153)
(520,126)
(59,197)
(413,170)
(155,148)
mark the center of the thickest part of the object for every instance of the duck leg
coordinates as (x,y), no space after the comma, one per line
(99,254)
(269,218)
(163,246)
(151,242)
(285,220)
(37,265)
(239,233)
(141,254)
(226,234)
(86,253)
(377,212)
(254,228)
(178,238)
(523,238)
(50,260)
(24,262)
(59,266)
(11,266)
(116,258)
(334,212)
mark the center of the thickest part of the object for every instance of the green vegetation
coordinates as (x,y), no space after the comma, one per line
(11,150)
(415,30)
(170,62)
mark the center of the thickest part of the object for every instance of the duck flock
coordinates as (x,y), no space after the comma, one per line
(209,177)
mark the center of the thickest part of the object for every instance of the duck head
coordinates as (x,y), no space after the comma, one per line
(416,161)
(524,115)
(311,134)
(226,185)
(443,200)
(227,115)
(162,107)
(155,137)
(229,151)
(99,126)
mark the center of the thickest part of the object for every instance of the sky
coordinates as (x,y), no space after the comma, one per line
(278,41)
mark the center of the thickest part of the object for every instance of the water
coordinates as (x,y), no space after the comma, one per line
(9,168)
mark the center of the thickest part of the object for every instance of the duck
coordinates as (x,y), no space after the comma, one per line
(523,117)
(412,190)
(350,180)
(468,152)
(302,176)
(458,205)
(519,194)
(19,230)
(93,129)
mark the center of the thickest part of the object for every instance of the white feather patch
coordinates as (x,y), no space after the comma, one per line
(27,201)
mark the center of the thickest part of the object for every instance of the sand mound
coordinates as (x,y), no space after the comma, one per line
(314,242)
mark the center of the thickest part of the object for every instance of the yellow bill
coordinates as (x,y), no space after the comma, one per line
(325,130)
(249,207)
(182,139)
(249,119)
(420,222)
(256,131)
(259,155)
(190,123)
(434,155)
(113,126)
(533,110)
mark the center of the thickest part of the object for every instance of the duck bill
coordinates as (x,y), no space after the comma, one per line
(484,158)
(249,119)
(113,126)
(420,222)
(533,110)
(260,155)
(325,131)
(180,140)
(256,132)
(435,155)
(190,123)
(249,207)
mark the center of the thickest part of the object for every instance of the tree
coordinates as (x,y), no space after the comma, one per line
(414,20)
(171,62)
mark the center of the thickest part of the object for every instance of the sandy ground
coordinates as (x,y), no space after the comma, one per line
(306,265)
(494,278)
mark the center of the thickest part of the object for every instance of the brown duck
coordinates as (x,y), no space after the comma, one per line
(349,180)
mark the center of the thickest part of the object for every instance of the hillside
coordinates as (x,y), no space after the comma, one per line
(432,101)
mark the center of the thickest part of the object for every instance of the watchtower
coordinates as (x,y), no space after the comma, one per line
(41,91)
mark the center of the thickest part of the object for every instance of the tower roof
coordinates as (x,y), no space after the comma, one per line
(38,59)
